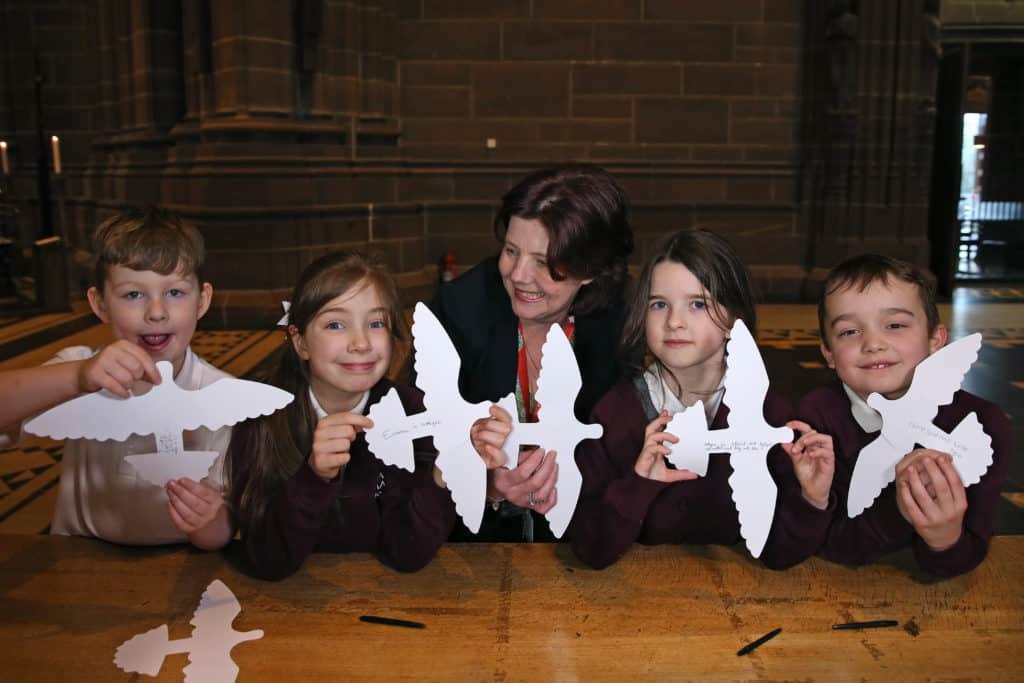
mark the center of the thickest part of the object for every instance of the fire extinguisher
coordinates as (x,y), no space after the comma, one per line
(448,267)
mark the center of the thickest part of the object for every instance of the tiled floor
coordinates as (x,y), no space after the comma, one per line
(29,473)
(788,338)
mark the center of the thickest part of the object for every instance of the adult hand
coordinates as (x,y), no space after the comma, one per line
(332,441)
(814,462)
(532,483)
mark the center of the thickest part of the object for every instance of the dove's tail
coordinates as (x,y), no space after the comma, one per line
(971,450)
(143,653)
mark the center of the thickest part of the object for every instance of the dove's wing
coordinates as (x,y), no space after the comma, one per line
(216,611)
(213,636)
(754,492)
(437,366)
(226,402)
(89,417)
(143,653)
(971,451)
(437,372)
(559,381)
(746,381)
(165,408)
(558,385)
(939,376)
(102,415)
(874,469)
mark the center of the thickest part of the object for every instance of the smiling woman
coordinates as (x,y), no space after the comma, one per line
(565,238)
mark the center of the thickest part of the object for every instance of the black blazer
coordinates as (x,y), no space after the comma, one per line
(476,312)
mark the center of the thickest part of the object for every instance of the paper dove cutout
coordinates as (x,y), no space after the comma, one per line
(908,420)
(164,411)
(557,430)
(748,438)
(209,648)
(448,417)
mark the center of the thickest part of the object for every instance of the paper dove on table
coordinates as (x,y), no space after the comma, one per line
(164,411)
(448,418)
(747,439)
(557,428)
(907,421)
(209,648)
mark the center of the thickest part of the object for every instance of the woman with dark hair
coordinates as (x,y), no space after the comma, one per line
(565,238)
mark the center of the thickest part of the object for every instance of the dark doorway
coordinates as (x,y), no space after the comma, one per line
(977,202)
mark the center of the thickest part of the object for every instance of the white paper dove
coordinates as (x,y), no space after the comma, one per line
(448,418)
(557,428)
(209,648)
(747,439)
(164,411)
(907,421)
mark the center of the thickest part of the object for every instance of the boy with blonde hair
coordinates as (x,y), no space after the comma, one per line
(149,290)
(878,321)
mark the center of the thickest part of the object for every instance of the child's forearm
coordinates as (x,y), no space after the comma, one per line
(28,391)
(216,534)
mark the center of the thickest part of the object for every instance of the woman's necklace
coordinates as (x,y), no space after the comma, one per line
(533,361)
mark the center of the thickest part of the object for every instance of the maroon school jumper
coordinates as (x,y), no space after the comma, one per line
(401,516)
(881,528)
(618,507)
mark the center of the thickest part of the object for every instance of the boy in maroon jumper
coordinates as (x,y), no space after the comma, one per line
(878,321)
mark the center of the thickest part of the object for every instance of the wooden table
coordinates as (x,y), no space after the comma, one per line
(516,613)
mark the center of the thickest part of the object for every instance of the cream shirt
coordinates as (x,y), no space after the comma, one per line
(101,495)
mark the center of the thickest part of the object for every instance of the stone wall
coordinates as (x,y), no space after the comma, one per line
(290,128)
